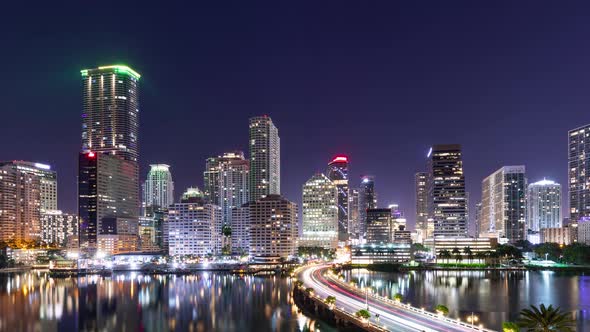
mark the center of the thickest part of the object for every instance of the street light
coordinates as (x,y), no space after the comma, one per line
(472,319)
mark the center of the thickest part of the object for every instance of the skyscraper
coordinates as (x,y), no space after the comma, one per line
(367,200)
(273,228)
(544,205)
(379,226)
(27,190)
(265,158)
(337,172)
(158,188)
(503,207)
(579,172)
(446,191)
(226,182)
(353,213)
(320,213)
(108,175)
(420,180)
(107,197)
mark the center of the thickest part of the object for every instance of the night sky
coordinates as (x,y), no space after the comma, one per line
(378,81)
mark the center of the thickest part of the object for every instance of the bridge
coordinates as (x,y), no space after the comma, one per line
(388,314)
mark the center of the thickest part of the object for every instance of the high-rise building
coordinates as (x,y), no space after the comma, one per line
(158,188)
(379,226)
(447,204)
(240,229)
(58,228)
(544,205)
(27,189)
(420,180)
(337,172)
(265,158)
(273,228)
(194,226)
(503,210)
(320,213)
(579,174)
(477,229)
(367,200)
(108,175)
(108,198)
(353,213)
(226,182)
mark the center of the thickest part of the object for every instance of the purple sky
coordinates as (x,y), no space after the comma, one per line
(378,82)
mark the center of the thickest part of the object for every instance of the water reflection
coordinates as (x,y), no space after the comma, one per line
(493,296)
(133,302)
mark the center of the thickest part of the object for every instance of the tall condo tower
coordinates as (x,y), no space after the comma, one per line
(226,182)
(447,204)
(108,176)
(265,158)
(503,207)
(421,204)
(367,200)
(337,172)
(320,213)
(579,172)
(544,205)
(158,188)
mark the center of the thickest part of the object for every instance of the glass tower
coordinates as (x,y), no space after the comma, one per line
(338,173)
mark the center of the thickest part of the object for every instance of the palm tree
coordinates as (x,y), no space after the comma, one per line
(444,254)
(441,310)
(330,301)
(469,253)
(481,255)
(457,254)
(545,319)
(510,327)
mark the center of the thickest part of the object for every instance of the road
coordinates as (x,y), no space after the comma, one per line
(393,316)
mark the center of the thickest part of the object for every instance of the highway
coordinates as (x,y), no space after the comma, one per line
(394,317)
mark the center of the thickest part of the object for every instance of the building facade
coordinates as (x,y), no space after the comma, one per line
(265,158)
(226,180)
(158,188)
(27,189)
(367,200)
(321,224)
(447,204)
(57,228)
(273,228)
(194,226)
(579,172)
(379,226)
(337,172)
(420,181)
(503,211)
(240,230)
(353,213)
(544,205)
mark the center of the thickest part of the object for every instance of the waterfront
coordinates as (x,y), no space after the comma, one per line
(492,296)
(134,302)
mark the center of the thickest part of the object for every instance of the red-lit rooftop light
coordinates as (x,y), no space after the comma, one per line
(91,154)
(340,159)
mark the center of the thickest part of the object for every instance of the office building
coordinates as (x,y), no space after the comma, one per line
(579,177)
(379,226)
(108,198)
(273,228)
(353,213)
(582,231)
(477,229)
(265,158)
(27,189)
(240,230)
(381,253)
(438,244)
(194,226)
(158,188)
(58,227)
(367,200)
(560,235)
(420,180)
(337,172)
(503,207)
(320,213)
(544,205)
(226,182)
(447,204)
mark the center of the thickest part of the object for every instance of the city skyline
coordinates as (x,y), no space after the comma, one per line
(473,90)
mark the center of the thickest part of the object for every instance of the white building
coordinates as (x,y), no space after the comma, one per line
(240,229)
(320,213)
(194,227)
(265,158)
(503,207)
(158,188)
(273,228)
(57,227)
(544,205)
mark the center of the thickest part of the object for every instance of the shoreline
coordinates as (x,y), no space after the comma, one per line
(401,268)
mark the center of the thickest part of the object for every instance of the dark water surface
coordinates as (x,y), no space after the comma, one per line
(492,296)
(133,302)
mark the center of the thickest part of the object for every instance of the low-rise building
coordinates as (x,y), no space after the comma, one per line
(112,244)
(561,235)
(380,253)
(476,245)
(57,227)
